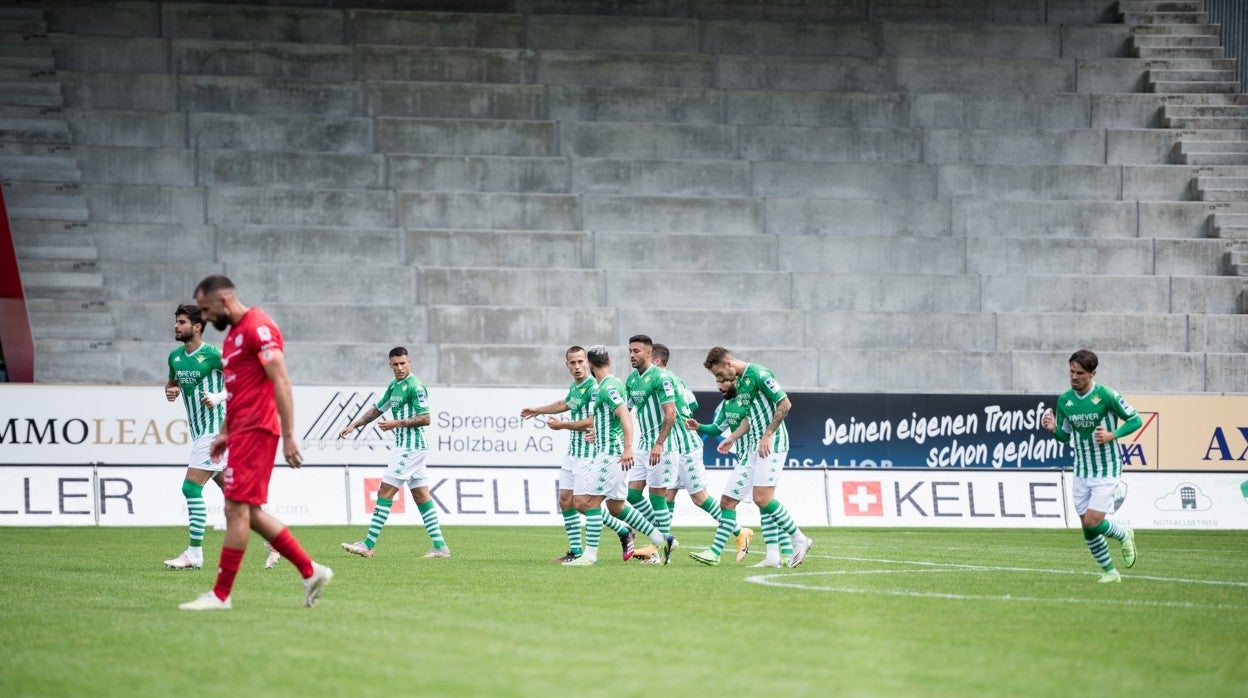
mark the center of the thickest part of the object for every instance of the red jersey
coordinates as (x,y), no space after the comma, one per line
(248,346)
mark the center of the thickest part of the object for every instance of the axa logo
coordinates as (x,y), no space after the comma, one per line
(1140,449)
(862,498)
(1224,448)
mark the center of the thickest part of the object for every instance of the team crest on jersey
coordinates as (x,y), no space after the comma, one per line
(238,341)
(1096,399)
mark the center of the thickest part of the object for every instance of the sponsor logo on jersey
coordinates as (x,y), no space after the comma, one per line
(771,384)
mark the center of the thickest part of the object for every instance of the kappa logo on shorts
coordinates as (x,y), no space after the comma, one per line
(371,485)
(862,498)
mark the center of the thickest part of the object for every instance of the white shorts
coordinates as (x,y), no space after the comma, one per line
(600,476)
(1094,493)
(567,472)
(407,467)
(752,472)
(661,475)
(199,455)
(690,473)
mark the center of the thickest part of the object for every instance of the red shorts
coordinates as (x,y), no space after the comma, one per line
(251,464)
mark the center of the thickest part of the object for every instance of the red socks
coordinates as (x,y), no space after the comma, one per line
(290,549)
(231,559)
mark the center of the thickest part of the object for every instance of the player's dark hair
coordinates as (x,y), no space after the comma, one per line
(662,353)
(572,350)
(598,356)
(398,351)
(214,283)
(717,355)
(192,313)
(1086,358)
(643,338)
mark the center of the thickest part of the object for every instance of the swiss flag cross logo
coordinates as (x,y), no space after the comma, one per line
(862,499)
(371,485)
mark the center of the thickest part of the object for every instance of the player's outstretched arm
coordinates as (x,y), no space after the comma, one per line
(369,415)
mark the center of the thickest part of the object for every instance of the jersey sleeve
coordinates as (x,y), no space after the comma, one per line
(420,399)
(265,340)
(386,398)
(666,388)
(770,386)
(612,395)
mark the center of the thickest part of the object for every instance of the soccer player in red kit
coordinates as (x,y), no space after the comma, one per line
(261,409)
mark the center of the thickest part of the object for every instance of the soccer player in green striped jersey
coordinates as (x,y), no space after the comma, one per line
(768,405)
(652,395)
(578,404)
(1088,417)
(603,478)
(195,374)
(408,401)
(690,470)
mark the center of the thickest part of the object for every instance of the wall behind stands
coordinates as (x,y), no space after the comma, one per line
(1232,15)
(116,456)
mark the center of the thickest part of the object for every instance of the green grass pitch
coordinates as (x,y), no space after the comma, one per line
(892,612)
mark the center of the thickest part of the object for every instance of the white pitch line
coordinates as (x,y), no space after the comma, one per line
(777,580)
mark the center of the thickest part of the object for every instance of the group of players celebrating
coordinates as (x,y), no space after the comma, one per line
(626,437)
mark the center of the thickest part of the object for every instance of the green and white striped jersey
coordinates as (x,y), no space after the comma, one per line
(686,402)
(580,401)
(647,393)
(1077,418)
(728,416)
(760,392)
(406,399)
(197,373)
(608,432)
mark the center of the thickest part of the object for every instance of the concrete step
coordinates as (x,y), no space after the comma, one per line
(483,174)
(729,178)
(1176,87)
(470,136)
(111,54)
(1199,123)
(252,23)
(128,127)
(1177,41)
(452,100)
(79,362)
(61,305)
(265,95)
(309,244)
(621,69)
(34,168)
(302,170)
(855,217)
(1172,29)
(651,141)
(72,325)
(34,130)
(1160,5)
(541,249)
(320,62)
(23,25)
(28,65)
(14,94)
(20,194)
(963,111)
(47,250)
(634,104)
(845,180)
(1049,219)
(827,144)
(602,33)
(862,255)
(516,287)
(1191,75)
(139,166)
(1150,53)
(279,132)
(476,211)
(143,91)
(1205,147)
(672,214)
(1221,194)
(73,267)
(1151,17)
(1216,158)
(428,64)
(482,30)
(1191,64)
(345,208)
(1227,110)
(25,45)
(1015,146)
(671,251)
